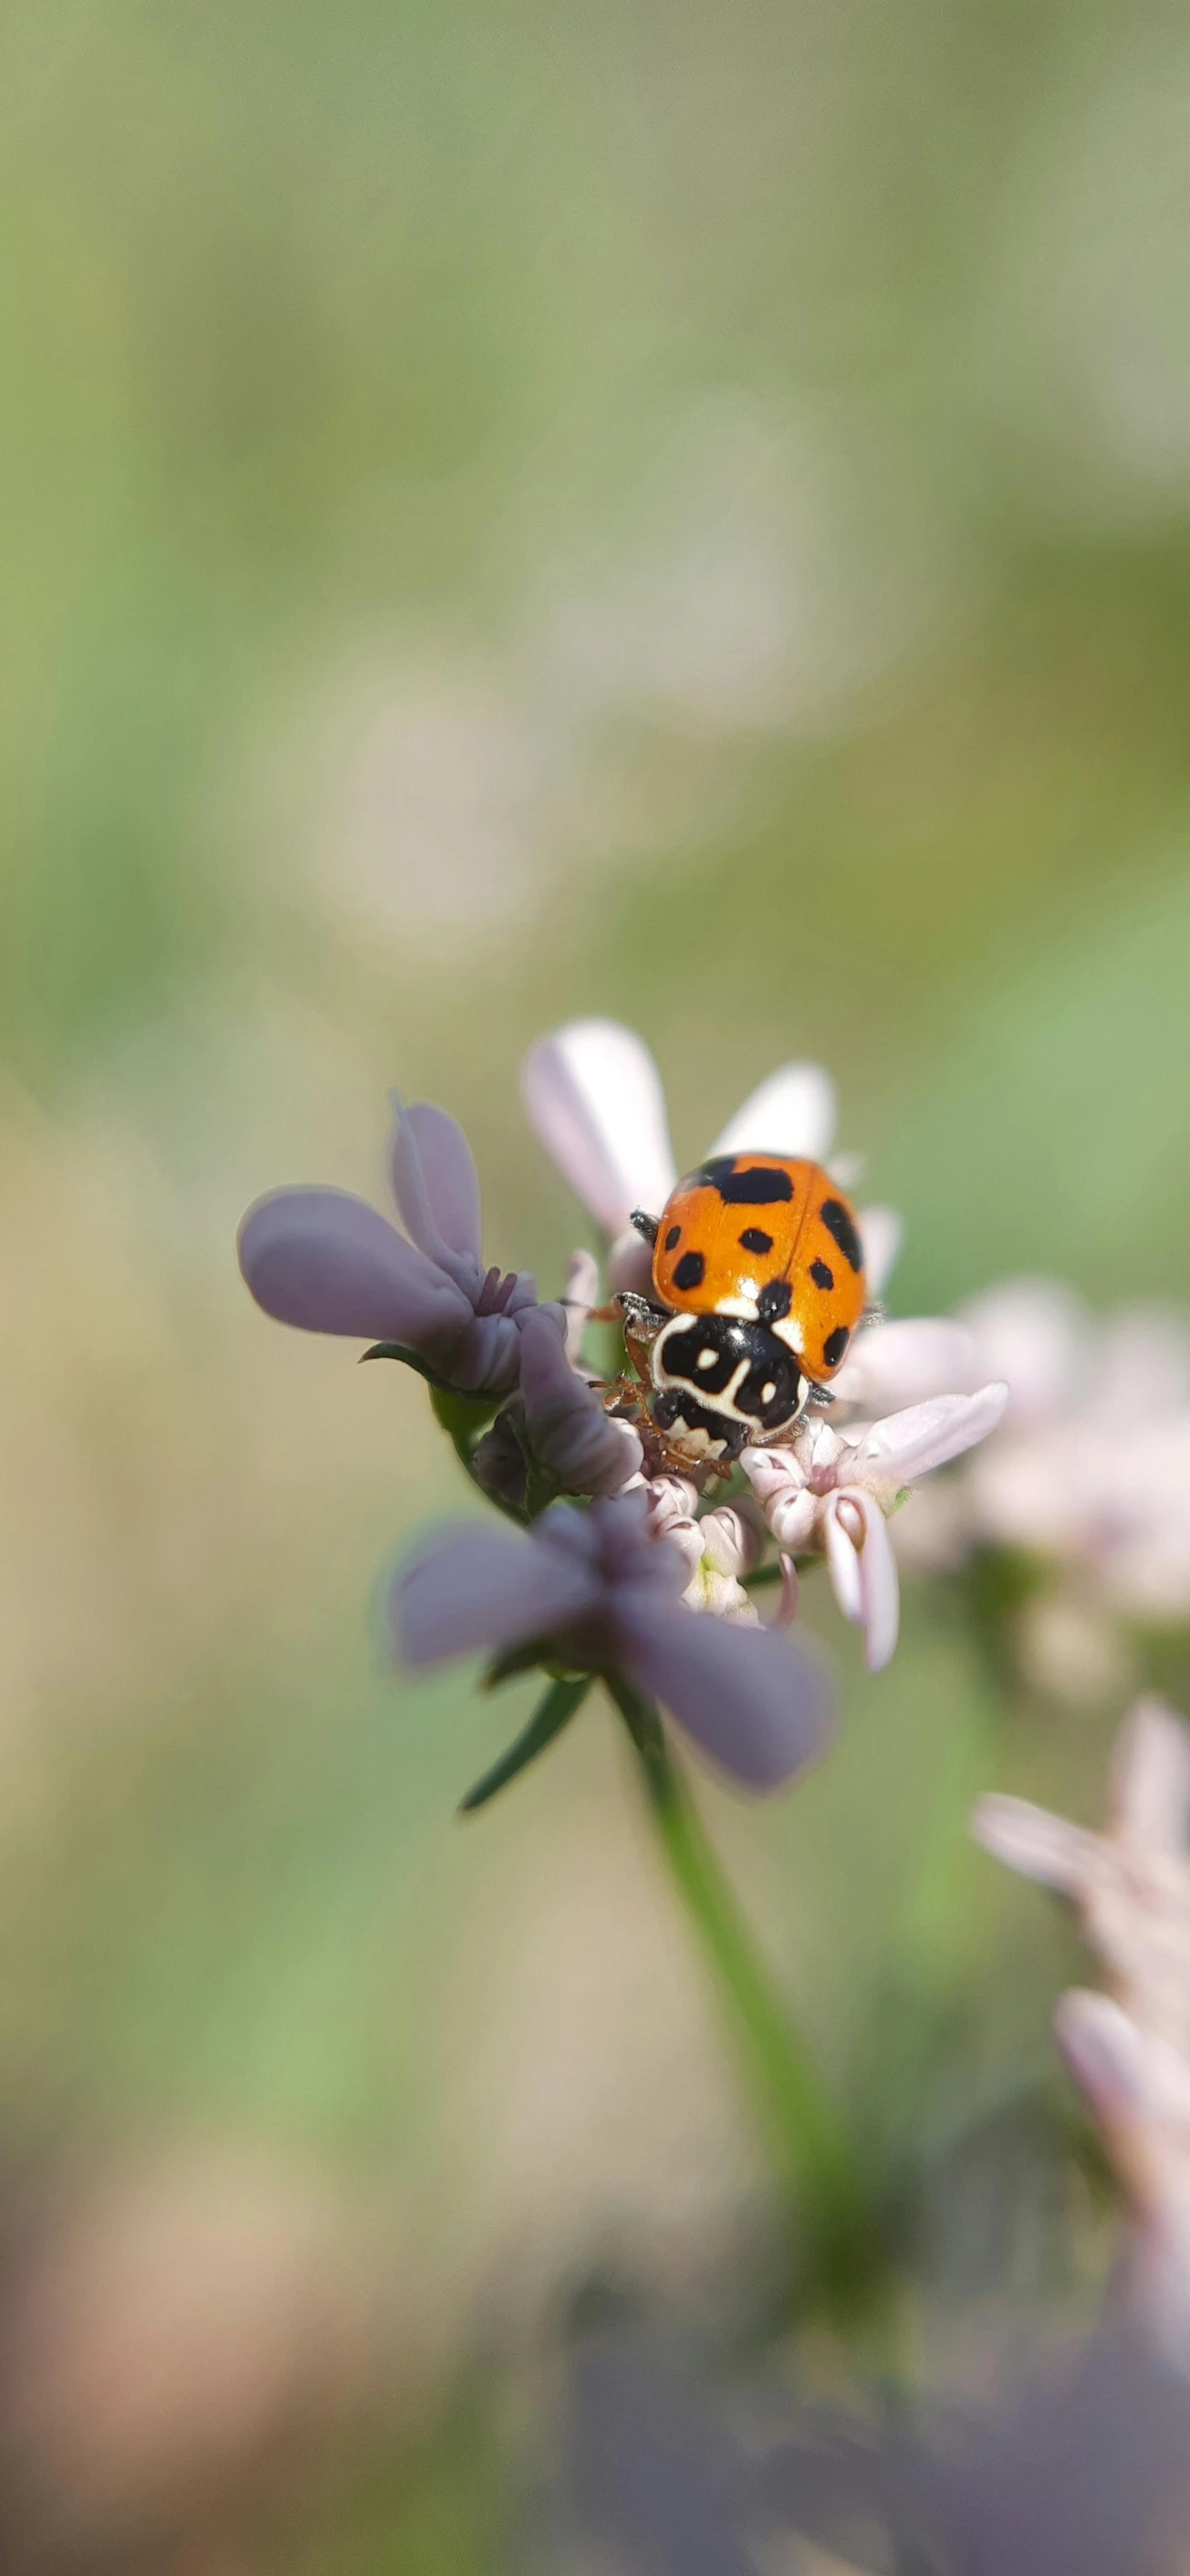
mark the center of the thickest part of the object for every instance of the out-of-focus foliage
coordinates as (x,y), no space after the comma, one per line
(507,511)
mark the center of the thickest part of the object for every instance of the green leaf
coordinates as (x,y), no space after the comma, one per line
(561,1701)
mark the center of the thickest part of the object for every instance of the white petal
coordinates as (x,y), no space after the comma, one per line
(1150,1779)
(909,1444)
(1032,1842)
(594,1096)
(901,1363)
(881,1233)
(792,1113)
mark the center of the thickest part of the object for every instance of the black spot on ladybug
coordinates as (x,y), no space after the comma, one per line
(774,1301)
(760,1186)
(754,1239)
(674,1236)
(840,1225)
(689,1271)
(705,1353)
(821,1275)
(835,1345)
(771,1390)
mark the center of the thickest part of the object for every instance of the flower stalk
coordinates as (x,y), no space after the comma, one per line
(810,2146)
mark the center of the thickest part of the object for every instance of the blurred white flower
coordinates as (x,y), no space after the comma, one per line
(1129,1885)
(1091,1469)
(1130,2050)
(833,1491)
(1138,2090)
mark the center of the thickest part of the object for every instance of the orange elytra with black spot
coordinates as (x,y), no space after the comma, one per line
(770,1238)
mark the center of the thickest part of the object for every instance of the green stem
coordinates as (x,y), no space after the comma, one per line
(814,2154)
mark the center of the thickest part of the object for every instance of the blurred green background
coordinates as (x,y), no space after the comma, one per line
(511,511)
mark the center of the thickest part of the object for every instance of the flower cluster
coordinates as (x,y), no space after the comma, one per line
(1129,2049)
(1087,1479)
(615,1553)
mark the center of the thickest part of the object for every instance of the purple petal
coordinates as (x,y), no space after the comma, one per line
(750,1699)
(479,1587)
(583,1449)
(327,1262)
(487,1356)
(594,1096)
(434,1184)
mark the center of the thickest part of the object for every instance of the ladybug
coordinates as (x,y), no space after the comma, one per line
(758,1273)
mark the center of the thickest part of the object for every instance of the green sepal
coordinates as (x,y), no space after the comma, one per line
(560,1704)
(412,1359)
(514,1660)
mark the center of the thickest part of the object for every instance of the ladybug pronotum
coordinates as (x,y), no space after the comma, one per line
(759,1284)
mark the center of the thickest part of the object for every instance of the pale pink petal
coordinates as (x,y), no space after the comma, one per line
(327,1262)
(909,1444)
(779,1483)
(863,1570)
(751,1700)
(788,1596)
(580,1293)
(434,1180)
(1150,1780)
(881,1233)
(842,1559)
(880,1591)
(898,1364)
(1106,2053)
(594,1096)
(793,1112)
(630,1264)
(1032,1842)
(733,1537)
(476,1587)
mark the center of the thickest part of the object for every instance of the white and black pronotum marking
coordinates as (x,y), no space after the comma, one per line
(725,1378)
